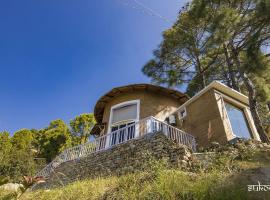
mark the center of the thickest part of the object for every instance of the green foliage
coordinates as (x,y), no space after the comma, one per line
(7,195)
(169,184)
(53,140)
(3,180)
(81,127)
(218,40)
(22,139)
(27,151)
(21,163)
(158,181)
(17,158)
(5,148)
(192,50)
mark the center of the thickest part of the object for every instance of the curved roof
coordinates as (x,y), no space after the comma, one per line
(101,103)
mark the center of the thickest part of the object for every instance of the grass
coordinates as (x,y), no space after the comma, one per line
(166,184)
(223,180)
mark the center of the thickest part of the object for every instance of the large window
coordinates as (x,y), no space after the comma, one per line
(238,121)
(123,115)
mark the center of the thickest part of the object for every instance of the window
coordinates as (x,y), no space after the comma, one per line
(123,115)
(129,133)
(238,121)
(172,119)
(182,113)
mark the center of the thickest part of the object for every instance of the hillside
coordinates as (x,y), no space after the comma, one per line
(223,174)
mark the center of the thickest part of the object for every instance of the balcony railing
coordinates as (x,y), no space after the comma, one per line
(130,132)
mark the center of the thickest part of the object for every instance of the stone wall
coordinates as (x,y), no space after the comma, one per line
(129,157)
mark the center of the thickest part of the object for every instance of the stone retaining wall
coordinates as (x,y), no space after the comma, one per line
(125,158)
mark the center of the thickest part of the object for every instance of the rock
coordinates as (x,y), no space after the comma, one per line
(265,145)
(185,158)
(185,165)
(14,187)
(132,146)
(188,154)
(214,145)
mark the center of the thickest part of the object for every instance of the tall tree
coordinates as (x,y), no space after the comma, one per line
(184,54)
(81,127)
(22,139)
(227,40)
(5,144)
(53,140)
(242,26)
(5,149)
(16,156)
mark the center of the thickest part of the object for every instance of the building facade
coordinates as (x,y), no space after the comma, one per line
(217,113)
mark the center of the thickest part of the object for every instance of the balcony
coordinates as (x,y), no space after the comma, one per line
(128,133)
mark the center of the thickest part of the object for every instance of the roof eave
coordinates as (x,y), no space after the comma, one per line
(221,88)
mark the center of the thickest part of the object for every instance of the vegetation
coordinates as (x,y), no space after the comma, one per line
(53,140)
(219,40)
(225,175)
(211,40)
(27,151)
(81,127)
(16,158)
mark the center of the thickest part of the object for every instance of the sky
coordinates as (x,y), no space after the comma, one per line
(58,57)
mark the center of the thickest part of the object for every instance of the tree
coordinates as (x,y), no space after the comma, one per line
(16,156)
(20,155)
(5,145)
(5,149)
(81,127)
(242,27)
(22,139)
(185,54)
(21,162)
(226,39)
(52,140)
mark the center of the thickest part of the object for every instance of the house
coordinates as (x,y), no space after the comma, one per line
(129,104)
(143,117)
(131,111)
(217,113)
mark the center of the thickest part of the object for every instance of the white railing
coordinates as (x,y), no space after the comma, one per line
(130,132)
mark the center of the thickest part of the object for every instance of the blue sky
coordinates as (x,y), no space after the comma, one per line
(57,57)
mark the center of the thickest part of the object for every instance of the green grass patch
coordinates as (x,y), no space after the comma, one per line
(226,178)
(164,184)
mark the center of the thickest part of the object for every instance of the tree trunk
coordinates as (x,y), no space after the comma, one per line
(252,98)
(225,76)
(254,108)
(201,73)
(229,62)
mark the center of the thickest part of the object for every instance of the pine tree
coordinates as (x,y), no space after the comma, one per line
(218,40)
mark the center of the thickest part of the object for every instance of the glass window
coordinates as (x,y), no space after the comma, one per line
(238,121)
(124,113)
(123,123)
(119,136)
